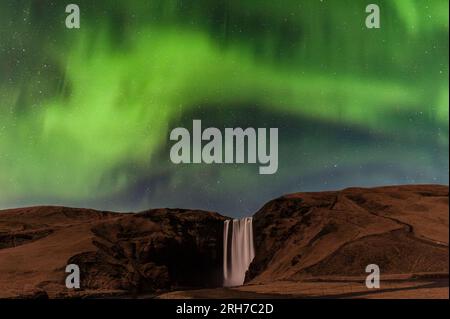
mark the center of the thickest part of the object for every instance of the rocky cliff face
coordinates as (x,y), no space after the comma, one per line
(130,253)
(157,249)
(404,230)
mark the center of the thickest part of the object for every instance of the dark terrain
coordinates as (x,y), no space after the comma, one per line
(307,245)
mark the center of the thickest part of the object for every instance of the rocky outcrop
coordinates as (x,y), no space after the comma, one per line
(155,250)
(404,230)
(129,253)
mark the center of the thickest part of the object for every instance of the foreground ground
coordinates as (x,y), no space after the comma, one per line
(437,288)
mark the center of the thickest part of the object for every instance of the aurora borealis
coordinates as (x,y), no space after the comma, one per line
(85,114)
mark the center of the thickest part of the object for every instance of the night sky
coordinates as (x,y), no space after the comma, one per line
(85,114)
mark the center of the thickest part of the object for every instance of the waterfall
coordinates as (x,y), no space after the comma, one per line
(239,253)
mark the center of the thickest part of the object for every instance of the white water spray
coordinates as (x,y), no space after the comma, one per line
(239,253)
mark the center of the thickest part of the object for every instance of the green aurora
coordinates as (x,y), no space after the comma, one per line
(85,114)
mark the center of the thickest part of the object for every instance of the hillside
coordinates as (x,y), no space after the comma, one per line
(404,230)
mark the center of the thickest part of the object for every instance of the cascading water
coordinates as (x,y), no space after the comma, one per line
(239,253)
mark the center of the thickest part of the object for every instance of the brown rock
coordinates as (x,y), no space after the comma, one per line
(133,253)
(402,229)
